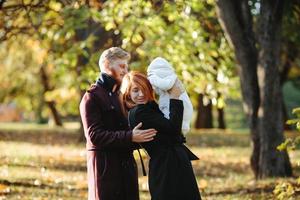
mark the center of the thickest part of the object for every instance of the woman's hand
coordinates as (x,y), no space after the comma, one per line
(139,135)
(176,90)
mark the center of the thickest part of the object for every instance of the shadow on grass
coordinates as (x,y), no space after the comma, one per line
(202,138)
(30,189)
(56,166)
(217,169)
(47,136)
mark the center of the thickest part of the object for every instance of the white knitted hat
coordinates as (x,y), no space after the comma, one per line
(162,65)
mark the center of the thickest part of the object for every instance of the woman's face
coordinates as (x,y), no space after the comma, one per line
(137,95)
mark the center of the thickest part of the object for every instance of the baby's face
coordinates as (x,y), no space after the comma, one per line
(162,75)
(161,71)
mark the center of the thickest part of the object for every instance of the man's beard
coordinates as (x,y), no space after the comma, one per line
(116,77)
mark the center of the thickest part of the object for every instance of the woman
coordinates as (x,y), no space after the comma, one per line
(171,175)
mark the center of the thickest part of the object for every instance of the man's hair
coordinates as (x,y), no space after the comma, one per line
(111,54)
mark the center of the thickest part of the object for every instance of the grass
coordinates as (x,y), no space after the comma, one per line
(37,171)
(21,126)
(51,165)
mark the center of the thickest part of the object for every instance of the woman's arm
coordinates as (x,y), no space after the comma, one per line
(154,119)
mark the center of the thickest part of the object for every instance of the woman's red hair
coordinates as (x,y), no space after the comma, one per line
(141,81)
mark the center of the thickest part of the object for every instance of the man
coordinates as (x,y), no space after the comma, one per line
(111,168)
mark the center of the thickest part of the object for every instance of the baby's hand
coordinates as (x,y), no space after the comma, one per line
(176,90)
(180,85)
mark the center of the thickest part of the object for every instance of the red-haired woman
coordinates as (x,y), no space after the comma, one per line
(171,175)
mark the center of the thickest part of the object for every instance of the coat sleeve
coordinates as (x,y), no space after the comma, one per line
(95,131)
(153,119)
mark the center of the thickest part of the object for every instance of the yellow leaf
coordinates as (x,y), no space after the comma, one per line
(4,189)
(214,53)
(55,6)
(203,184)
(110,26)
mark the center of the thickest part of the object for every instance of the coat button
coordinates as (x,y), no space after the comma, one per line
(112,107)
(109,93)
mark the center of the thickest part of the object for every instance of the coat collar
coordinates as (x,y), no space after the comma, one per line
(107,82)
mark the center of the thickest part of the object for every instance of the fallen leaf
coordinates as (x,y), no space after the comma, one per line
(4,189)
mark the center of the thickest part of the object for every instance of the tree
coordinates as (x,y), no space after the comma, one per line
(290,50)
(73,33)
(204,117)
(186,33)
(24,18)
(255,37)
(67,31)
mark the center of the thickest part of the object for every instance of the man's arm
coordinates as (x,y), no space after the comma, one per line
(102,138)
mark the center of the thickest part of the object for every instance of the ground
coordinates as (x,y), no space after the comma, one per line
(36,164)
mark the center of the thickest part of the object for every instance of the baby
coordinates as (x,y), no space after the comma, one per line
(162,77)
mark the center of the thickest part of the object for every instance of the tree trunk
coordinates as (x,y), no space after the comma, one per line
(204,114)
(1,3)
(236,21)
(221,121)
(38,113)
(221,115)
(51,104)
(271,161)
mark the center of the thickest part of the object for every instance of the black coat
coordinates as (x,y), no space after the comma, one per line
(171,175)
(112,171)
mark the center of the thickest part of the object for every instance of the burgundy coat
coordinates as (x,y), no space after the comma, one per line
(111,168)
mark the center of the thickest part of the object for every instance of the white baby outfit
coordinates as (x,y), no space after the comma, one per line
(162,77)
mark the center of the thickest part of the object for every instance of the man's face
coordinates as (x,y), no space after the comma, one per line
(118,68)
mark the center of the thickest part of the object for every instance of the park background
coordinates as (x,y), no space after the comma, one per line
(239,61)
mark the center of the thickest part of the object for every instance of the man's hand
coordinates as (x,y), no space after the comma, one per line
(139,135)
